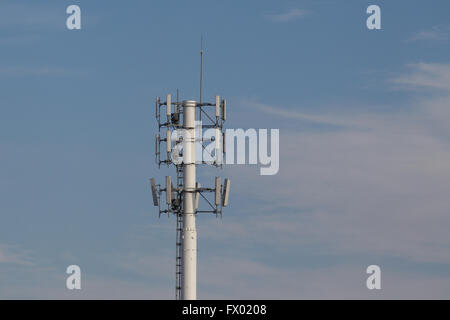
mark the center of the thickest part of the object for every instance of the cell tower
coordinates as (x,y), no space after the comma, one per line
(179,130)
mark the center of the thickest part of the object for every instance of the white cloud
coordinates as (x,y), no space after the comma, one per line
(281,112)
(436,33)
(361,121)
(425,75)
(292,14)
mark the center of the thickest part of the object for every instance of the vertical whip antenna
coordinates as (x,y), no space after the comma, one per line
(201,67)
(201,78)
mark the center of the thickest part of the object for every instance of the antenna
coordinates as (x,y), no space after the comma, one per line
(157,108)
(172,193)
(155,197)
(217,107)
(224,109)
(169,105)
(184,192)
(168,141)
(176,115)
(157,142)
(224,145)
(226,192)
(217,191)
(201,67)
(168,190)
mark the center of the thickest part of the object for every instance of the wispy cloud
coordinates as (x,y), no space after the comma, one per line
(436,33)
(290,15)
(324,119)
(12,255)
(425,75)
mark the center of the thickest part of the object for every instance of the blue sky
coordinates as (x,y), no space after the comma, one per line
(366,183)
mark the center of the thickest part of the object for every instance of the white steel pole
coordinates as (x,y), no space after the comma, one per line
(189,235)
